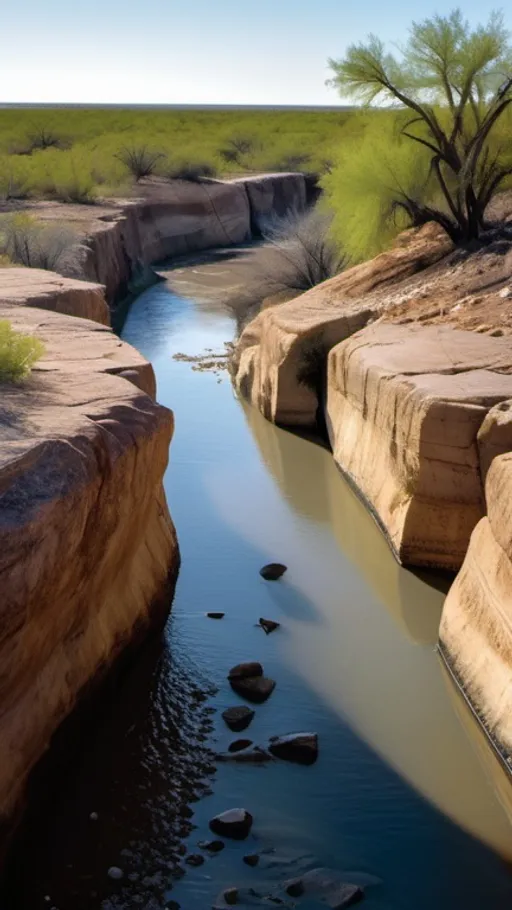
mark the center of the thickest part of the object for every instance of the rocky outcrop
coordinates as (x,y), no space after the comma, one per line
(39,288)
(176,218)
(476,625)
(88,553)
(405,405)
(274,196)
(279,362)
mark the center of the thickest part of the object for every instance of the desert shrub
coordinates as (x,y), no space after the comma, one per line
(291,162)
(140,160)
(18,353)
(452,84)
(238,150)
(297,254)
(194,171)
(14,178)
(31,243)
(364,186)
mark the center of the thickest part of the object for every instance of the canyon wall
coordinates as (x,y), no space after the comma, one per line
(175,218)
(88,552)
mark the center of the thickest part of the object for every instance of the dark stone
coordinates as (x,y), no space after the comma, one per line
(246,670)
(215,615)
(273,572)
(254,755)
(326,886)
(238,718)
(172,905)
(238,744)
(213,846)
(301,748)
(255,689)
(252,859)
(269,625)
(235,823)
(295,888)
(231,896)
(195,859)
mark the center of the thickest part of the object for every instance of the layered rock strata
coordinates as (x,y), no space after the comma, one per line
(476,625)
(279,362)
(88,552)
(405,405)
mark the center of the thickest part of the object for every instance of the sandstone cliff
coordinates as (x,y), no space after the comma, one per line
(88,552)
(404,407)
(39,288)
(279,362)
(476,625)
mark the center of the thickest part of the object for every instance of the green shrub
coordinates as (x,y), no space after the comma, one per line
(194,171)
(18,353)
(140,160)
(29,242)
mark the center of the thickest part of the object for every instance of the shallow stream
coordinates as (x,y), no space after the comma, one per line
(406,797)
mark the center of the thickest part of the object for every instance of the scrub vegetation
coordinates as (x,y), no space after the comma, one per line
(82,155)
(18,353)
(439,145)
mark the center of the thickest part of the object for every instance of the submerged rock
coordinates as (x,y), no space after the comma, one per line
(213,846)
(213,615)
(251,859)
(255,755)
(238,744)
(327,886)
(301,748)
(273,571)
(194,859)
(256,689)
(238,718)
(268,625)
(234,823)
(246,670)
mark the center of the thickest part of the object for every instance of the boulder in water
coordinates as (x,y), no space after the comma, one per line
(238,718)
(301,748)
(238,744)
(255,689)
(273,571)
(268,625)
(234,823)
(246,670)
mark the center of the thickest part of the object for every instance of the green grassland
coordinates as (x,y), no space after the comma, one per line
(75,154)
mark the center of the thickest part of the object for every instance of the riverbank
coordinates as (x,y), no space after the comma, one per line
(402,798)
(117,243)
(407,360)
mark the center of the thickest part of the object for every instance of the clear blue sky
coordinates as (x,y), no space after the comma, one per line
(192,51)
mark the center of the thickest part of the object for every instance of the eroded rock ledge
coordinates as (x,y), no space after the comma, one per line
(405,404)
(476,625)
(88,552)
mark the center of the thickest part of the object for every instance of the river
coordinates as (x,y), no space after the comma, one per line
(406,797)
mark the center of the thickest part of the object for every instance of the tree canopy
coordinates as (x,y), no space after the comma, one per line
(451,84)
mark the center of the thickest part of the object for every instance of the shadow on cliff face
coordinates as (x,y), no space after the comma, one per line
(115,790)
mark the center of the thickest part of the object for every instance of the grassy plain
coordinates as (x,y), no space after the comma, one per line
(75,154)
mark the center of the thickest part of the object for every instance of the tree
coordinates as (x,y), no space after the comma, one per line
(455,84)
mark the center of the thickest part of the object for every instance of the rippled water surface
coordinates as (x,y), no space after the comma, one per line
(405,798)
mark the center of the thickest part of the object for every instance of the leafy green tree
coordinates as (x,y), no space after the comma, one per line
(452,85)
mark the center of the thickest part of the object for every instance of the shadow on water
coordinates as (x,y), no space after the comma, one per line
(400,797)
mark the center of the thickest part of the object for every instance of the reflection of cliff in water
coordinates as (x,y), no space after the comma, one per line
(371,650)
(309,479)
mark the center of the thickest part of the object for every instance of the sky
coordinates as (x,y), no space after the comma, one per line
(193,51)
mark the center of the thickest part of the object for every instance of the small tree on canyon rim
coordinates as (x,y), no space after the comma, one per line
(450,147)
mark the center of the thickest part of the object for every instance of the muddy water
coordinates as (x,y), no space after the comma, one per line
(406,797)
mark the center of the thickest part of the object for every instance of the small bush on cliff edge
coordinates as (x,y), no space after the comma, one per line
(452,85)
(29,242)
(18,353)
